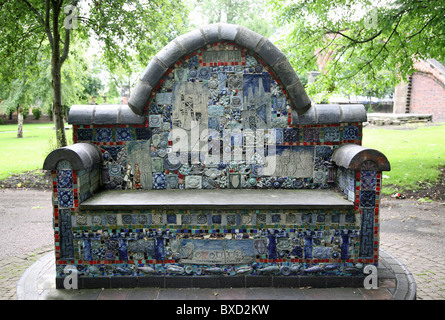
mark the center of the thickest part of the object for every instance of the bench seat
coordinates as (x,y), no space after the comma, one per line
(216,199)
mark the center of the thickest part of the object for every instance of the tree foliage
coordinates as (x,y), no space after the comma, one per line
(35,89)
(360,40)
(250,14)
(126,30)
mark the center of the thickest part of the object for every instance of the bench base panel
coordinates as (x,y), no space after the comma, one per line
(326,281)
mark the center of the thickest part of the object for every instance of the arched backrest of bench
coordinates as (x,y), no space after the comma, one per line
(199,38)
(81,156)
(355,157)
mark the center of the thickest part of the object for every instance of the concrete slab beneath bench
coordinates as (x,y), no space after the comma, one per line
(216,199)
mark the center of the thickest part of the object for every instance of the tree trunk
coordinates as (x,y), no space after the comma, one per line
(57,104)
(56,75)
(20,122)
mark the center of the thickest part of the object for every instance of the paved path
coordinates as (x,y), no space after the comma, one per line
(410,231)
(12,269)
(26,221)
(414,232)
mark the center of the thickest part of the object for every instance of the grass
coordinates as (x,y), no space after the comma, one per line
(415,153)
(27,153)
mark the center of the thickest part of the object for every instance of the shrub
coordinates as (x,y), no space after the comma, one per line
(37,113)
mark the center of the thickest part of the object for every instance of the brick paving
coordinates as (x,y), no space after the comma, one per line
(12,269)
(428,270)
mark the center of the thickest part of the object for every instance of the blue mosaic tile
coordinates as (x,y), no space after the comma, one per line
(276,218)
(166,114)
(104,134)
(171,218)
(143,133)
(311,134)
(84,134)
(124,134)
(332,134)
(321,252)
(350,133)
(367,198)
(291,135)
(193,62)
(231,219)
(201,219)
(350,218)
(368,180)
(65,198)
(216,219)
(87,255)
(66,236)
(127,219)
(213,123)
(367,234)
(65,179)
(323,152)
(204,73)
(159,181)
(154,109)
(186,219)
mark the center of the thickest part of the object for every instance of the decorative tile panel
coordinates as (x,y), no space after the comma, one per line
(104,134)
(124,134)
(65,179)
(65,198)
(350,133)
(368,180)
(367,198)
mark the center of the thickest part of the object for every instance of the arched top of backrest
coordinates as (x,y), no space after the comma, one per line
(190,42)
(82,156)
(356,157)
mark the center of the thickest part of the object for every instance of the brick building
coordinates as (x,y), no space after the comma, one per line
(423,92)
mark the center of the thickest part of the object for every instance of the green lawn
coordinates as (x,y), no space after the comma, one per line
(28,153)
(415,154)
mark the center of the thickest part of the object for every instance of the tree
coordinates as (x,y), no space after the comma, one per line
(360,38)
(113,95)
(35,89)
(250,14)
(127,30)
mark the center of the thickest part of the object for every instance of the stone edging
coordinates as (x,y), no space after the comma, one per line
(406,285)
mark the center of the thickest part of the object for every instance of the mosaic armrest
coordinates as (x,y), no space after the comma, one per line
(76,173)
(355,157)
(358,172)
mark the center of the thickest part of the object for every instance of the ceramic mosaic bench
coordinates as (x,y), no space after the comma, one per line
(219,172)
